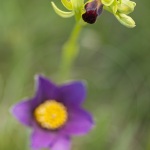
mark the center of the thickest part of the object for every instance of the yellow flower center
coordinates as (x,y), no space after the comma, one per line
(51,114)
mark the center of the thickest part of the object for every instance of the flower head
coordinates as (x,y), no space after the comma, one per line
(54,114)
(90,10)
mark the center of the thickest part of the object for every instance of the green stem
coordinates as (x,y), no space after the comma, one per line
(69,52)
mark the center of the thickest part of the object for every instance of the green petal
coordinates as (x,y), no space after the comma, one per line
(67,4)
(62,13)
(125,20)
(107,2)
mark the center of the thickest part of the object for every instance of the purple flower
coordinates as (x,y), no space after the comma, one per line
(54,114)
(93,9)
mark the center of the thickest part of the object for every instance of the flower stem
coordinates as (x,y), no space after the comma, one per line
(69,52)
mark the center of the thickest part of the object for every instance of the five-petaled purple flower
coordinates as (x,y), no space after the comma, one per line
(54,114)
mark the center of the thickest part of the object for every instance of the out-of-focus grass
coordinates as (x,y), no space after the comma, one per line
(114,61)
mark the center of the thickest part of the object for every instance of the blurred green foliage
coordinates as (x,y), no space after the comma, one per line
(113,59)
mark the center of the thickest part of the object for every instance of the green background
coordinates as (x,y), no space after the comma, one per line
(114,60)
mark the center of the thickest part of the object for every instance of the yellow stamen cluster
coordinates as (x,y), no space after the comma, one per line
(51,114)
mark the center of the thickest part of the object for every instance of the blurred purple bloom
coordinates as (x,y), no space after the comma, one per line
(54,114)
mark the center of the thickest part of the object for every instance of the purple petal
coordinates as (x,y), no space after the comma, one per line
(62,143)
(23,112)
(73,93)
(46,90)
(41,138)
(80,122)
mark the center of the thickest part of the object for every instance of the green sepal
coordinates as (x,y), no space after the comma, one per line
(62,13)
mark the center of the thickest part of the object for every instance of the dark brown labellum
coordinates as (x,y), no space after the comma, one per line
(90,16)
(93,10)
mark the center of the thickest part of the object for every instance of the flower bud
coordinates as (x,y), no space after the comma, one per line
(126,6)
(125,20)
